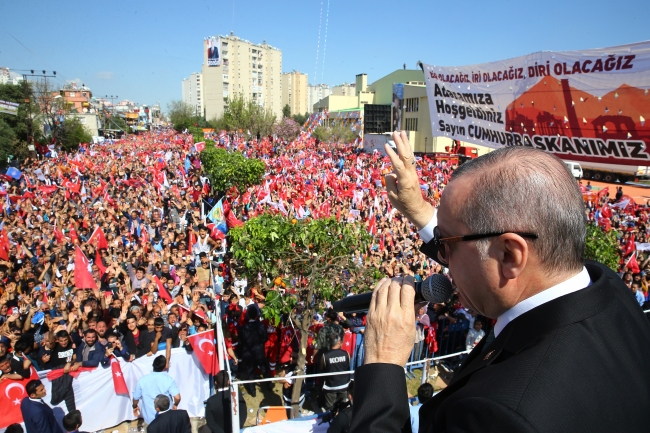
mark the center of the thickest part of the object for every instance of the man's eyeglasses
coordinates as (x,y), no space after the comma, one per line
(440,243)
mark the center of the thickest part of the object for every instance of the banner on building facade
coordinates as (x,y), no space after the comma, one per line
(398,98)
(214,51)
(589,105)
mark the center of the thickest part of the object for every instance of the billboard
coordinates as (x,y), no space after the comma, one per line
(398,98)
(10,108)
(213,46)
(588,105)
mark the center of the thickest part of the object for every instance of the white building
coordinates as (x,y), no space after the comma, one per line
(316,93)
(192,88)
(4,75)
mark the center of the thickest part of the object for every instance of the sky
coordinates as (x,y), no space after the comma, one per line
(142,50)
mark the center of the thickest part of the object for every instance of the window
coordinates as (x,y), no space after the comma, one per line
(412,124)
(412,104)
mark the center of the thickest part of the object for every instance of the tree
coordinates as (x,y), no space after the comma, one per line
(300,118)
(602,247)
(287,129)
(7,141)
(335,133)
(247,116)
(71,133)
(181,115)
(286,111)
(116,122)
(231,169)
(316,254)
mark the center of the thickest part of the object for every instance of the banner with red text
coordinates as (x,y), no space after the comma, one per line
(588,105)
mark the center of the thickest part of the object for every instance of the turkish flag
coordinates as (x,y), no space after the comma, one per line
(100,263)
(47,189)
(98,234)
(632,264)
(349,341)
(58,234)
(12,392)
(191,242)
(200,146)
(83,279)
(162,291)
(73,235)
(5,246)
(205,350)
(118,378)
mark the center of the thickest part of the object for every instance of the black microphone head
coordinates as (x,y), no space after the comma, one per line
(437,289)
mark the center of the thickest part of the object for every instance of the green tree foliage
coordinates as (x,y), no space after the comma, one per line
(316,249)
(286,111)
(300,118)
(335,133)
(317,253)
(287,129)
(116,122)
(70,133)
(227,169)
(246,116)
(602,247)
(181,115)
(7,141)
(19,124)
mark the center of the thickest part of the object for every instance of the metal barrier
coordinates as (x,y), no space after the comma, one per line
(235,384)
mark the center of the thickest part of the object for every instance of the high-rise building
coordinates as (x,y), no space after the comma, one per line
(344,90)
(294,92)
(316,93)
(4,75)
(193,92)
(252,70)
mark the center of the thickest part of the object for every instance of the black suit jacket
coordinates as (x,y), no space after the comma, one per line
(172,421)
(578,363)
(252,336)
(38,417)
(218,414)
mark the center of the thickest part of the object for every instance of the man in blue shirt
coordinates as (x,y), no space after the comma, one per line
(150,386)
(638,293)
(425,392)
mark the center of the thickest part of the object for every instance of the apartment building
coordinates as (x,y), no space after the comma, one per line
(295,93)
(192,89)
(252,70)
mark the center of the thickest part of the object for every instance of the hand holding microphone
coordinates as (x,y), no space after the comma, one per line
(390,329)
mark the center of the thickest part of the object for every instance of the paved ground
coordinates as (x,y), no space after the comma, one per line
(638,193)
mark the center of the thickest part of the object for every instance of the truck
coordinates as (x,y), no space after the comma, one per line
(606,172)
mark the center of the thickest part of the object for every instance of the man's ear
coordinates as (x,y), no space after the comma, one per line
(512,253)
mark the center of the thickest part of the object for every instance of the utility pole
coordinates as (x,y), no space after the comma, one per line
(28,100)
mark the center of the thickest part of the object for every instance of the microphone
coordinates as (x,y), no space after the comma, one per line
(437,288)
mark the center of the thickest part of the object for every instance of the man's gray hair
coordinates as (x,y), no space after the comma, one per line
(524,189)
(161,402)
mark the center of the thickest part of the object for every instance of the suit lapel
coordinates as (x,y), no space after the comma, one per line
(529,327)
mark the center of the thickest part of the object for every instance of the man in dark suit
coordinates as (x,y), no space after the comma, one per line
(218,413)
(570,348)
(168,420)
(38,416)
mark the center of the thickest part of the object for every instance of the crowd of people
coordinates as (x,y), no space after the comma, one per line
(134,211)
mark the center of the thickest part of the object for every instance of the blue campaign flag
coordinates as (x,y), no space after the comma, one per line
(14,172)
(216,214)
(188,165)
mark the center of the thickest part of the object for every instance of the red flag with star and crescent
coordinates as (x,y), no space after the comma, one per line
(118,378)
(12,393)
(205,351)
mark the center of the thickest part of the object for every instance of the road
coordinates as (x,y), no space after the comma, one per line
(639,194)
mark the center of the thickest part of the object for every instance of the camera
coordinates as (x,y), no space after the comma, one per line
(109,345)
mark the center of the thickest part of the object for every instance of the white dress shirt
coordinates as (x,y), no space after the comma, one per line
(573,284)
